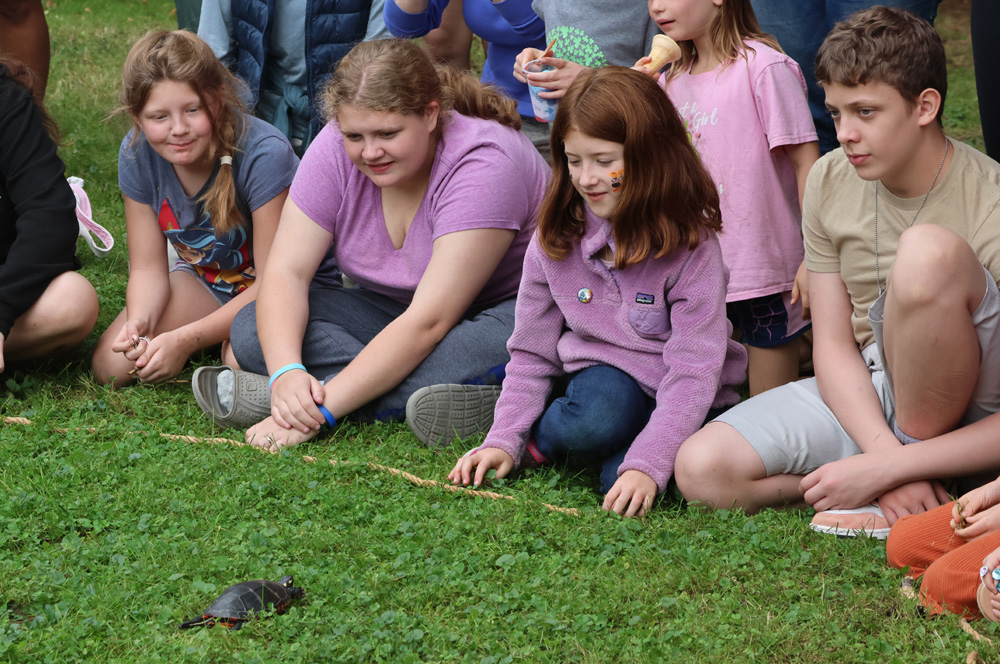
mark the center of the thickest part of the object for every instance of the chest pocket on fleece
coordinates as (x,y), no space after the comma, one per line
(649,321)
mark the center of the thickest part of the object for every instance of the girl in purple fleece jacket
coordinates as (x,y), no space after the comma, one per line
(621,346)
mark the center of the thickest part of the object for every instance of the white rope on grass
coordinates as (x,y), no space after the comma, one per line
(410,477)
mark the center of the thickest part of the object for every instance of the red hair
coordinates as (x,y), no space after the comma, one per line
(668,200)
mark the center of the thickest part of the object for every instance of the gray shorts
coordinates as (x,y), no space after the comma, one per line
(794,431)
(183,266)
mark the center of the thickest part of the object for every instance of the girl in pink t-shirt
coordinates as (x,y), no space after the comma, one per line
(744,106)
(621,347)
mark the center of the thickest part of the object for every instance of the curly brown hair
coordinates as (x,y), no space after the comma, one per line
(885,45)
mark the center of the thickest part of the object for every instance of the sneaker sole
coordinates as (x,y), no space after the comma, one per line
(877,533)
(439,413)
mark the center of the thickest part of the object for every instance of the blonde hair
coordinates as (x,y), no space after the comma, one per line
(182,57)
(733,23)
(397,76)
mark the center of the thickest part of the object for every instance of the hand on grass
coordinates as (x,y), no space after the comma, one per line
(800,289)
(1,352)
(631,495)
(268,435)
(482,461)
(163,357)
(295,396)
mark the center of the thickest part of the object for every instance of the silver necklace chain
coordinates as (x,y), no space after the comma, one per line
(878,280)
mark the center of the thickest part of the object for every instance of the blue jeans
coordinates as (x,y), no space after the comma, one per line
(595,421)
(800,26)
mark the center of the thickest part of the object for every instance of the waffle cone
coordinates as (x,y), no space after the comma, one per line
(665,50)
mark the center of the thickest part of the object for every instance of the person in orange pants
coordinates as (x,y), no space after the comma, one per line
(947,546)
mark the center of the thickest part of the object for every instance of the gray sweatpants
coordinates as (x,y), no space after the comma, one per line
(343,320)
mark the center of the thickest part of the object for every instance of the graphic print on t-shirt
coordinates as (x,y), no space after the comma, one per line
(223,262)
(694,119)
(576,46)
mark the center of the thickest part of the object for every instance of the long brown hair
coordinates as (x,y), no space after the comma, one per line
(18,72)
(182,57)
(733,23)
(667,201)
(397,76)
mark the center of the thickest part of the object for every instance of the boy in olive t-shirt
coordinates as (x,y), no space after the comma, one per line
(902,235)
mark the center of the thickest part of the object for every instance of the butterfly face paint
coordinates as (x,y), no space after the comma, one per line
(616,179)
(595,166)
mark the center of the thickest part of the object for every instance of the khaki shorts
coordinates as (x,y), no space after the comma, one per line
(794,431)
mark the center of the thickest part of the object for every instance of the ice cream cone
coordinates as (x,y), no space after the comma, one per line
(665,50)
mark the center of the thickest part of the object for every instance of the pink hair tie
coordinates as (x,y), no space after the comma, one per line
(89,229)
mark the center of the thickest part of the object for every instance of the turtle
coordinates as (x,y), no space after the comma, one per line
(239,603)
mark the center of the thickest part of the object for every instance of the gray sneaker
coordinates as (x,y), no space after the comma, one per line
(439,413)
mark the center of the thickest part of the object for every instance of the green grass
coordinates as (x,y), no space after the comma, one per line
(109,537)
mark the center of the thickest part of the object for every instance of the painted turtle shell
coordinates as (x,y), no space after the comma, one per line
(241,602)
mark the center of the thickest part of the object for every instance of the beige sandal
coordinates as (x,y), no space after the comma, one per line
(983,597)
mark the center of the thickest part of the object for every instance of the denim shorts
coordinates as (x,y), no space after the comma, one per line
(768,320)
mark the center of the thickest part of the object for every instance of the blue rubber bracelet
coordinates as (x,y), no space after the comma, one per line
(287,367)
(330,419)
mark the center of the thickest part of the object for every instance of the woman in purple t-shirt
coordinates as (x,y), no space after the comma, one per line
(427,194)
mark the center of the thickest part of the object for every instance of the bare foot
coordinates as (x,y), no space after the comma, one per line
(267,435)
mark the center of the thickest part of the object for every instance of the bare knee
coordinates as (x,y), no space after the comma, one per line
(81,308)
(703,468)
(59,320)
(103,366)
(934,265)
(108,366)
